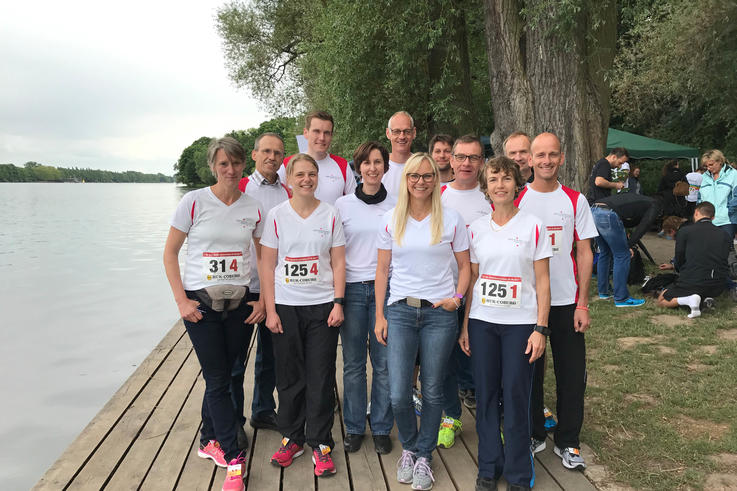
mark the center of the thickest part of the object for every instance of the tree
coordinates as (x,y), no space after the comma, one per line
(362,61)
(193,157)
(548,61)
(675,72)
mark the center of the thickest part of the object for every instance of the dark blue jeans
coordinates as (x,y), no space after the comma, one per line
(356,331)
(433,332)
(219,339)
(612,242)
(499,360)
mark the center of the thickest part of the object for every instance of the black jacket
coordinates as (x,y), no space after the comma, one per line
(702,249)
(635,210)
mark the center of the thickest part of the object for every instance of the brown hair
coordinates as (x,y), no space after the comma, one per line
(504,165)
(362,154)
(297,158)
(323,115)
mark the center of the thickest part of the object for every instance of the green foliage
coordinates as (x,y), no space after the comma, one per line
(363,61)
(33,172)
(674,75)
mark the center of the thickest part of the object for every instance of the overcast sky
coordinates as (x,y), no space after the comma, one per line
(113,85)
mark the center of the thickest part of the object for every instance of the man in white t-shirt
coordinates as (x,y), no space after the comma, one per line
(568,221)
(517,147)
(265,186)
(335,177)
(464,196)
(401,132)
(441,148)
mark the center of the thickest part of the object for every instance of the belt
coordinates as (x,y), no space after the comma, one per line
(423,302)
(601,205)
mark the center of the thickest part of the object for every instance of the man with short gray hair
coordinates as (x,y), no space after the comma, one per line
(401,132)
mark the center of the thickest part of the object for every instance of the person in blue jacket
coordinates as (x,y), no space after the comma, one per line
(719,187)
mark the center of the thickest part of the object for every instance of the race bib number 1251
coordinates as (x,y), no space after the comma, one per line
(499,291)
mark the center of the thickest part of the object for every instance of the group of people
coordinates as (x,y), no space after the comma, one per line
(461,265)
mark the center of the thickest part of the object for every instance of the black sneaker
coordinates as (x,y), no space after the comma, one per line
(469,400)
(382,444)
(708,304)
(352,442)
(485,484)
(266,421)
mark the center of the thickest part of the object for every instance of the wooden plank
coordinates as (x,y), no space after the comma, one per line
(174,453)
(197,473)
(262,474)
(131,472)
(458,460)
(107,456)
(82,448)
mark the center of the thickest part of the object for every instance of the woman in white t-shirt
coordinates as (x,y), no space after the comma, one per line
(303,280)
(506,325)
(419,239)
(218,223)
(361,213)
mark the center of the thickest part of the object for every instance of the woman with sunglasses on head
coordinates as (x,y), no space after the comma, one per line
(218,223)
(303,280)
(506,325)
(418,240)
(361,213)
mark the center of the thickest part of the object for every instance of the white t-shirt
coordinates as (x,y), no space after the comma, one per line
(218,238)
(566,215)
(269,195)
(504,292)
(303,274)
(470,203)
(360,222)
(332,181)
(694,184)
(419,269)
(392,178)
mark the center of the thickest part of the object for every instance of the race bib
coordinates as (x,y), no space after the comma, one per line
(499,291)
(555,234)
(221,266)
(300,271)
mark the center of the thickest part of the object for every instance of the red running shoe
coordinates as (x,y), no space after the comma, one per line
(286,453)
(234,478)
(213,451)
(323,462)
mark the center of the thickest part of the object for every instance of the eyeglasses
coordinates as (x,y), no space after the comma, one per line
(460,157)
(414,177)
(407,132)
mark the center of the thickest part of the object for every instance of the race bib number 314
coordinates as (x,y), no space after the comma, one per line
(222,266)
(499,291)
(300,271)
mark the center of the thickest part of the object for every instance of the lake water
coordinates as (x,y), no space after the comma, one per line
(83,300)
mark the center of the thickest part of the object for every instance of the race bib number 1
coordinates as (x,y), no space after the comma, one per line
(222,266)
(499,291)
(555,234)
(301,270)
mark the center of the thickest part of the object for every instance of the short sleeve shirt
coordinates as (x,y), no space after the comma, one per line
(694,184)
(420,269)
(303,274)
(392,178)
(331,181)
(601,169)
(218,238)
(504,292)
(566,218)
(360,224)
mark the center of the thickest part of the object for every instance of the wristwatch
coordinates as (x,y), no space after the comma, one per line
(544,330)
(339,300)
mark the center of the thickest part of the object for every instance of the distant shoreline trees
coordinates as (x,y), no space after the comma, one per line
(35,172)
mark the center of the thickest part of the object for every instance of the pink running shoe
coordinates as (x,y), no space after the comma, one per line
(234,478)
(323,462)
(286,453)
(213,451)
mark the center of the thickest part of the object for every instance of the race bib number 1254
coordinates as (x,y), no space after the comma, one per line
(499,291)
(301,270)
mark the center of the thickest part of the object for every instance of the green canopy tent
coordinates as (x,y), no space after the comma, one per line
(642,147)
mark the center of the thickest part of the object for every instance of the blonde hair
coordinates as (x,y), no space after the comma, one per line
(297,158)
(714,155)
(401,212)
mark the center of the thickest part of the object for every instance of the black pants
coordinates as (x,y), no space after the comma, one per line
(569,363)
(219,338)
(305,373)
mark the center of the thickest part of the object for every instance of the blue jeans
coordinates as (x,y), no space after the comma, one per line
(612,242)
(357,329)
(434,332)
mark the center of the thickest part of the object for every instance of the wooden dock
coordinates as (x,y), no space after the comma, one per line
(146,437)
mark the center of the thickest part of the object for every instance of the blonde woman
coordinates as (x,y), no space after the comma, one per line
(719,187)
(419,239)
(303,273)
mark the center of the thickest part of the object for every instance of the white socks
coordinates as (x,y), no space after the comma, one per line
(692,301)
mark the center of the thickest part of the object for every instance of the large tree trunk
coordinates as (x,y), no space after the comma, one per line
(540,82)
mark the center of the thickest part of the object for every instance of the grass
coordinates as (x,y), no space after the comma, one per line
(657,410)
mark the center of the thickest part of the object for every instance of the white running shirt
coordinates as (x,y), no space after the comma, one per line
(419,269)
(303,274)
(504,292)
(218,238)
(392,178)
(564,225)
(360,223)
(331,184)
(694,184)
